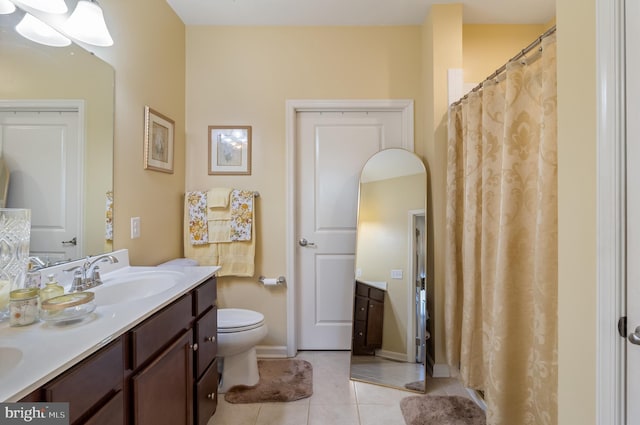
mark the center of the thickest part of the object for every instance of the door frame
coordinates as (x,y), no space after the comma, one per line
(611,194)
(292,107)
(411,296)
(61,105)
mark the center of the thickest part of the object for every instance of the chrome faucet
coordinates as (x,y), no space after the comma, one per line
(87,275)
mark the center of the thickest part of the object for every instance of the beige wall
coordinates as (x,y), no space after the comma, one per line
(243,76)
(576,210)
(149,61)
(487,47)
(441,50)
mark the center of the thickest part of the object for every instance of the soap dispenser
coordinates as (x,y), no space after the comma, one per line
(51,289)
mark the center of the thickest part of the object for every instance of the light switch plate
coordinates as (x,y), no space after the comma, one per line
(135,227)
(396,274)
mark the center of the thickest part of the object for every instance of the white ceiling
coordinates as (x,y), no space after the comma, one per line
(355,12)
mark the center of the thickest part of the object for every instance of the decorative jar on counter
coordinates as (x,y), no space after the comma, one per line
(23,306)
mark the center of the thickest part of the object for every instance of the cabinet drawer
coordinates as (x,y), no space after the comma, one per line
(158,331)
(112,413)
(87,383)
(207,395)
(376,294)
(206,330)
(204,296)
(362,289)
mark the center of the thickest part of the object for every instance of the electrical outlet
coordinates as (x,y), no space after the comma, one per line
(358,272)
(396,274)
(135,227)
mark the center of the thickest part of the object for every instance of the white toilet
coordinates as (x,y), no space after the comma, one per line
(239,331)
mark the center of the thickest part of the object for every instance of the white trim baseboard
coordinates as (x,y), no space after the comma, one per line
(271,351)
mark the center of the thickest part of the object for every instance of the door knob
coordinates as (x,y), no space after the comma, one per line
(305,242)
(634,337)
(73,242)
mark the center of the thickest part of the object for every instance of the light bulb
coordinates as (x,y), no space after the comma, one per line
(87,24)
(6,7)
(48,6)
(35,30)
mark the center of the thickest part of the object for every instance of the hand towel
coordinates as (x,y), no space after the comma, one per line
(205,254)
(219,231)
(108,230)
(196,213)
(218,197)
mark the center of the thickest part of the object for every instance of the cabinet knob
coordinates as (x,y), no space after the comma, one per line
(211,396)
(194,347)
(361,308)
(360,333)
(210,338)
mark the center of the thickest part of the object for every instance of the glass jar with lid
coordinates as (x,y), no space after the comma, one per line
(23,306)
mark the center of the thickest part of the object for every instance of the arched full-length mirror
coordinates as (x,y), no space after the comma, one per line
(390,317)
(47,93)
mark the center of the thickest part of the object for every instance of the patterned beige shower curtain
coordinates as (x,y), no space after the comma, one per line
(501,242)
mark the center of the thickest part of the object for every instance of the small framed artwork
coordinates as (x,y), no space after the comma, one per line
(230,149)
(158,141)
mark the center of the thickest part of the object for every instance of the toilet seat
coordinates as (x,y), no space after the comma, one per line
(232,320)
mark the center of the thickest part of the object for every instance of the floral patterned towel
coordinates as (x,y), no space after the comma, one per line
(241,215)
(108,230)
(198,229)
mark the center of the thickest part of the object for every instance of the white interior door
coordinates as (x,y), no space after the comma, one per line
(633,211)
(43,153)
(332,148)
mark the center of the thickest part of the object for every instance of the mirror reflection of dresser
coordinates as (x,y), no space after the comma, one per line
(390,314)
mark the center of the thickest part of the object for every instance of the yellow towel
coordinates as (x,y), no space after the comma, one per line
(219,231)
(218,197)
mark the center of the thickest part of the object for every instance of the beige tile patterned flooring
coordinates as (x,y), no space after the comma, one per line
(336,400)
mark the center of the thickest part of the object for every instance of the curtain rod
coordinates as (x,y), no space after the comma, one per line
(500,70)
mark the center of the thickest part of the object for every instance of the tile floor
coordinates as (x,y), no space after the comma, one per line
(335,401)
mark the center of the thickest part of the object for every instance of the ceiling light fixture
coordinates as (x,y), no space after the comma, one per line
(35,30)
(48,6)
(87,24)
(6,7)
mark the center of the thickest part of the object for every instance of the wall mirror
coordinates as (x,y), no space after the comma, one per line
(390,317)
(41,89)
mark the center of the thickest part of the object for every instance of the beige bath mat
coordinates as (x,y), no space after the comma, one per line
(441,410)
(280,380)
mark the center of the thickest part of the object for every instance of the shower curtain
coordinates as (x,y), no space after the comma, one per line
(501,241)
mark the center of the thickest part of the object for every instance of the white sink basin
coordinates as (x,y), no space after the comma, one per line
(135,286)
(9,358)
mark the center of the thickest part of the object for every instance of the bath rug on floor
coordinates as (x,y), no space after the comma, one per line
(280,380)
(441,410)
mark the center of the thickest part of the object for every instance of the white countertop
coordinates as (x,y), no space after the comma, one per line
(46,350)
(375,284)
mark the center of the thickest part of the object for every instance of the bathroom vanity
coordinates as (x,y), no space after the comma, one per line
(154,362)
(368,314)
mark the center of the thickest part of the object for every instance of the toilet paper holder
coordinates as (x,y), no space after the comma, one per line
(280,280)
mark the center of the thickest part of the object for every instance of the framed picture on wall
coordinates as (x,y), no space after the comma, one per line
(229,149)
(158,141)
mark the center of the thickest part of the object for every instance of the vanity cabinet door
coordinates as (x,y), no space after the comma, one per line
(375,315)
(88,384)
(112,413)
(163,390)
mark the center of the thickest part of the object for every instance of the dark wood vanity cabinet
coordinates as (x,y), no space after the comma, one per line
(368,314)
(163,371)
(93,388)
